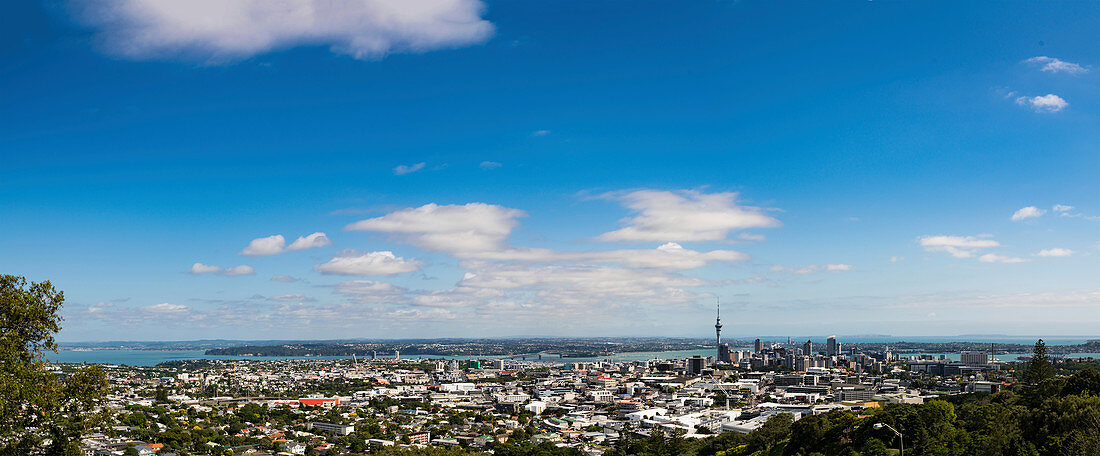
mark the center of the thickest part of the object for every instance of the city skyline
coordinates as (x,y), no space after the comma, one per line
(566,170)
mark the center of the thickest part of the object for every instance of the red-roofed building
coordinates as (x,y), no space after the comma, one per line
(321,401)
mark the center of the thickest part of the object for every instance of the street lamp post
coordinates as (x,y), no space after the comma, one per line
(901,438)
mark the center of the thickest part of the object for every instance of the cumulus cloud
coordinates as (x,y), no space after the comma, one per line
(956,246)
(276,244)
(1053,65)
(1026,213)
(1044,103)
(1055,252)
(368,264)
(451,228)
(314,240)
(994,258)
(199,268)
(230,30)
(402,170)
(684,216)
(270,245)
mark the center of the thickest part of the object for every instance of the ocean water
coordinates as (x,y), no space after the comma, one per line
(154,357)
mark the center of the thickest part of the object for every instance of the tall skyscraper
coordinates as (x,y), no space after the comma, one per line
(832,348)
(758,345)
(808,348)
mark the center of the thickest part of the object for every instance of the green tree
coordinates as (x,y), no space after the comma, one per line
(37,406)
(1039,368)
(162,395)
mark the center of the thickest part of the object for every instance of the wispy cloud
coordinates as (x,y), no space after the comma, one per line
(200,268)
(956,246)
(994,258)
(813,268)
(1055,252)
(490,165)
(1026,213)
(401,170)
(447,228)
(1053,65)
(684,216)
(216,31)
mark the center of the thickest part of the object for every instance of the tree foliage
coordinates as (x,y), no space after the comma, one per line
(40,413)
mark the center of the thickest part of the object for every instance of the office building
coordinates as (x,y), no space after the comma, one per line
(974,358)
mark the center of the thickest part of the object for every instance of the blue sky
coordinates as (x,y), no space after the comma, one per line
(552,168)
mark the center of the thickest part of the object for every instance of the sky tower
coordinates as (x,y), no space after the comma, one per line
(723,350)
(718,325)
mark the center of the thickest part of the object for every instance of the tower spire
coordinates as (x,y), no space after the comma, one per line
(718,322)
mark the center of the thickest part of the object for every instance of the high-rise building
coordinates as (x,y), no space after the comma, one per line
(696,364)
(808,348)
(832,348)
(974,358)
(758,346)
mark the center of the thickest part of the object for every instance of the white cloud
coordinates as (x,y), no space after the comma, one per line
(1053,65)
(1062,208)
(994,258)
(270,245)
(897,259)
(243,269)
(750,237)
(369,288)
(1055,252)
(229,30)
(813,268)
(1026,213)
(490,165)
(956,246)
(540,133)
(317,239)
(684,216)
(199,268)
(577,287)
(165,308)
(473,227)
(368,264)
(292,298)
(284,278)
(1044,103)
(402,170)
(274,245)
(668,256)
